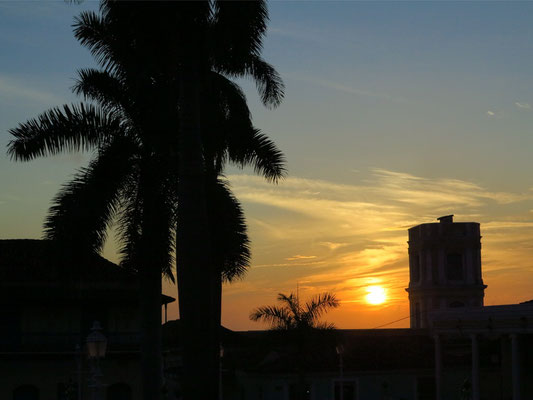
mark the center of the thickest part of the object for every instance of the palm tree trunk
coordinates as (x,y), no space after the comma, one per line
(195,271)
(150,291)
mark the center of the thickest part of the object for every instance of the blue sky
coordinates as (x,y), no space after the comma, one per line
(395,113)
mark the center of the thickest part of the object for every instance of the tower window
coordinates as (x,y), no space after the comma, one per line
(454,267)
(415,268)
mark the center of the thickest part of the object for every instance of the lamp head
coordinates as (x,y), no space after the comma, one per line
(96,342)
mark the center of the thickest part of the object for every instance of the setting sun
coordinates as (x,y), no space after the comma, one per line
(376,295)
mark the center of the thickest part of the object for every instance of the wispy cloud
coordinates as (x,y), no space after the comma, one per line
(299,257)
(386,195)
(300,35)
(291,264)
(39,9)
(9,197)
(343,88)
(333,245)
(345,237)
(525,106)
(11,87)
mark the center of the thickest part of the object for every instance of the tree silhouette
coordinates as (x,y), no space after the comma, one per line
(142,122)
(300,323)
(293,316)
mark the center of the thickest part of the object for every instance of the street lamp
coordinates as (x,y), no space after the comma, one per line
(78,364)
(220,373)
(96,342)
(96,348)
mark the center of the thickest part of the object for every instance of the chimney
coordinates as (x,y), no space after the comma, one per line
(447,219)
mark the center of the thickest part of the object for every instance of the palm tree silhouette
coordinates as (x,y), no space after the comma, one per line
(183,44)
(301,324)
(140,161)
(293,316)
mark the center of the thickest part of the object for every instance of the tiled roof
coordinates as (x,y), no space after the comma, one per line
(40,268)
(41,260)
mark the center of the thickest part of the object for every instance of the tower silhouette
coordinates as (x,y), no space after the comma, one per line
(444,268)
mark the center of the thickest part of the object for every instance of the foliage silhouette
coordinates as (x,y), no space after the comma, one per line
(293,316)
(146,93)
(302,326)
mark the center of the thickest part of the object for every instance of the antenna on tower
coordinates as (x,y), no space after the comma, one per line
(298,294)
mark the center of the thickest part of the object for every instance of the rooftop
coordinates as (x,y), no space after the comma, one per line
(33,269)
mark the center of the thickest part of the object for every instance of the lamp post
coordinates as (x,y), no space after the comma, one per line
(96,348)
(220,396)
(78,364)
(340,350)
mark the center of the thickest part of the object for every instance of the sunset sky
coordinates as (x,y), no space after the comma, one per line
(395,113)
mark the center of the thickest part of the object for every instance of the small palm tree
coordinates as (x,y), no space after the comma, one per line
(292,316)
(303,322)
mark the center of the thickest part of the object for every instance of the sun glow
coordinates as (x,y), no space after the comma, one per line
(376,295)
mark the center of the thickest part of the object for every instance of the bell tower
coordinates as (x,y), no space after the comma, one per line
(444,268)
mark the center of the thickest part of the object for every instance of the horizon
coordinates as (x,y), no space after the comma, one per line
(395,114)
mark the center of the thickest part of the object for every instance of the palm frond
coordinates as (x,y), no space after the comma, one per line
(288,300)
(239,27)
(277,317)
(230,99)
(152,232)
(73,128)
(269,83)
(250,146)
(226,105)
(110,40)
(103,87)
(83,210)
(162,235)
(320,304)
(267,80)
(129,223)
(326,326)
(291,303)
(93,32)
(231,135)
(298,318)
(230,243)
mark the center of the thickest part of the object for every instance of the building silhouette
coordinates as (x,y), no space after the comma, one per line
(456,348)
(49,301)
(444,268)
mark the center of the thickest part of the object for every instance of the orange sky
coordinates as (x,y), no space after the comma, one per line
(344,238)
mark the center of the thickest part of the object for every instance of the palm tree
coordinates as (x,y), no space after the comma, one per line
(182,44)
(111,187)
(301,323)
(292,316)
(141,188)
(124,182)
